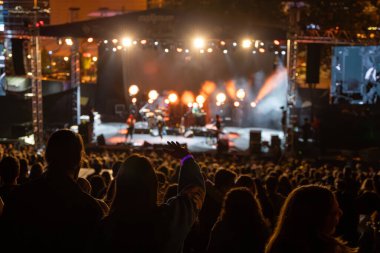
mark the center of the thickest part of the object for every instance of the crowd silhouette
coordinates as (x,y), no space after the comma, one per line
(64,200)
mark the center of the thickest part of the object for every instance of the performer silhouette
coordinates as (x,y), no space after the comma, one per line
(131,126)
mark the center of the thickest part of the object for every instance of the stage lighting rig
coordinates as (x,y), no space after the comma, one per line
(246,43)
(126,42)
(153,94)
(199,43)
(200,99)
(133,90)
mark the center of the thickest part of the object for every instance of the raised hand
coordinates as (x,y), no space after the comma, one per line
(176,150)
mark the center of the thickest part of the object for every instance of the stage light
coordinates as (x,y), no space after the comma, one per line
(262,50)
(261,43)
(222,43)
(218,104)
(234,44)
(179,50)
(187,51)
(202,51)
(221,97)
(225,51)
(276,42)
(150,101)
(236,104)
(114,41)
(199,43)
(283,52)
(253,104)
(190,104)
(166,50)
(105,41)
(200,99)
(240,94)
(29,56)
(90,40)
(166,101)
(114,49)
(200,105)
(195,105)
(210,50)
(133,90)
(134,42)
(143,42)
(69,41)
(275,52)
(134,100)
(254,52)
(119,47)
(172,98)
(94,58)
(126,42)
(246,43)
(153,94)
(66,58)
(156,43)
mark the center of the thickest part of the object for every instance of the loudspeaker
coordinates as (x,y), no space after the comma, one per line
(18,56)
(313,62)
(255,142)
(275,141)
(222,146)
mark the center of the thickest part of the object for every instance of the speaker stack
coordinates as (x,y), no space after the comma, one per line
(255,142)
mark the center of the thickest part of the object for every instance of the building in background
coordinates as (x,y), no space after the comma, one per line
(65,11)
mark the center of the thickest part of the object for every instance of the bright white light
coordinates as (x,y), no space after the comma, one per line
(166,50)
(200,99)
(195,105)
(156,43)
(202,51)
(234,44)
(66,58)
(134,42)
(254,52)
(126,42)
(210,50)
(187,51)
(283,52)
(94,58)
(190,104)
(114,49)
(89,40)
(179,50)
(153,94)
(105,41)
(246,43)
(222,43)
(236,104)
(253,104)
(114,41)
(134,100)
(69,41)
(150,101)
(221,97)
(225,51)
(133,90)
(29,95)
(143,42)
(218,104)
(30,74)
(167,101)
(173,98)
(119,47)
(262,50)
(29,56)
(240,94)
(199,43)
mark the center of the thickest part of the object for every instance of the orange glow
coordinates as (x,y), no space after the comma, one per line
(208,88)
(271,83)
(231,88)
(187,97)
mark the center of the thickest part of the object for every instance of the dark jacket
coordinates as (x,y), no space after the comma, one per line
(163,229)
(49,214)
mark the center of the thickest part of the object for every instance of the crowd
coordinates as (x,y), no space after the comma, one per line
(173,201)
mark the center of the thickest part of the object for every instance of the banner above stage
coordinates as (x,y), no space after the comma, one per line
(166,24)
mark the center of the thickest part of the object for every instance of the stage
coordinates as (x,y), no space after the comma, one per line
(238,138)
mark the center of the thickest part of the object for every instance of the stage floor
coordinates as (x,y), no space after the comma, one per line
(238,138)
